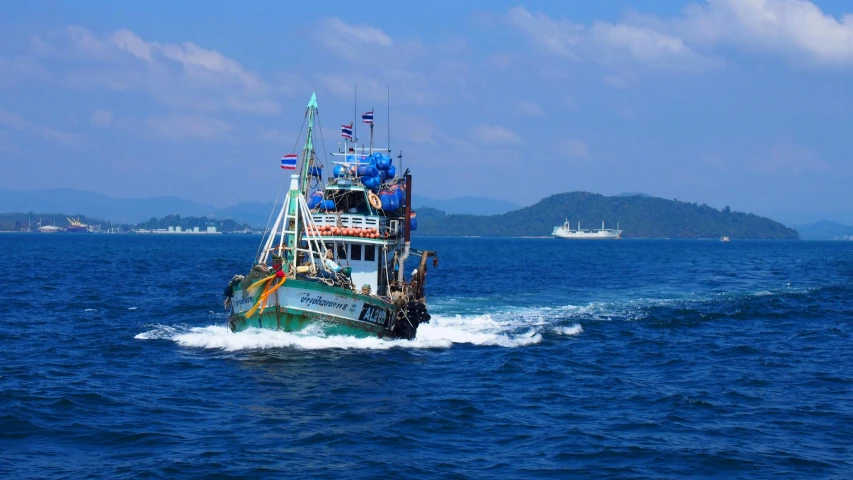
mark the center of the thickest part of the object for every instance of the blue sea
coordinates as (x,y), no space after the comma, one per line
(544,359)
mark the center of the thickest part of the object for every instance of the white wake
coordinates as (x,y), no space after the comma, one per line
(508,329)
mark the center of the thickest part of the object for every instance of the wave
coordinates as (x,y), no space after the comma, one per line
(573,330)
(720,303)
(441,332)
(508,327)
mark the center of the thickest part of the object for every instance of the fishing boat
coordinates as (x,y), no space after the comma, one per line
(565,231)
(336,258)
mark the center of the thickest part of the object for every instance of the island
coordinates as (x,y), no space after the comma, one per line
(639,216)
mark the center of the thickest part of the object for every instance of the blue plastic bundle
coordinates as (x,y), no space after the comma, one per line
(327,205)
(316,172)
(367,171)
(315,199)
(389,200)
(370,182)
(392,171)
(383,175)
(383,162)
(413,222)
(400,189)
(341,170)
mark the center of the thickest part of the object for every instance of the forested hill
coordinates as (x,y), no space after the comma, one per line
(638,216)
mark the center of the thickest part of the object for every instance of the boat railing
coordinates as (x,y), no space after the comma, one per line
(348,221)
(360,151)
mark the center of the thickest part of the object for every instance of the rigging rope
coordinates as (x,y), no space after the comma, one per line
(277,195)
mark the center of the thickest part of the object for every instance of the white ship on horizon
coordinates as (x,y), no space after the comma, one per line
(565,231)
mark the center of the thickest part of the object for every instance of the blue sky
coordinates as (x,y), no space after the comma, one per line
(727,102)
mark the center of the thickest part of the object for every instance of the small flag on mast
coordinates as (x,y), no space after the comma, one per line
(346,131)
(367,117)
(288,162)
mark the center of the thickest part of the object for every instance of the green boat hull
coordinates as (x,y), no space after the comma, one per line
(299,304)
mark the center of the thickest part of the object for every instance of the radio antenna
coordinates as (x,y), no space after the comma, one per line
(354,116)
(388,118)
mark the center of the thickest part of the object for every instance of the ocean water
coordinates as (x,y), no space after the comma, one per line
(544,359)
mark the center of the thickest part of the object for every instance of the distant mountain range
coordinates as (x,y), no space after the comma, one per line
(95,205)
(824,230)
(136,210)
(639,216)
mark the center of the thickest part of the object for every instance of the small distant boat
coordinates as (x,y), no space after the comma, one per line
(725,239)
(49,228)
(565,231)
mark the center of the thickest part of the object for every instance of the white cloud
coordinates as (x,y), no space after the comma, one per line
(85,42)
(614,45)
(181,127)
(101,118)
(783,27)
(571,147)
(210,65)
(359,33)
(418,74)
(647,47)
(131,43)
(528,109)
(495,135)
(15,122)
(349,41)
(560,37)
(181,75)
(796,30)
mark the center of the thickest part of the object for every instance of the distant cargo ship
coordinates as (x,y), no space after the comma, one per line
(565,231)
(76,226)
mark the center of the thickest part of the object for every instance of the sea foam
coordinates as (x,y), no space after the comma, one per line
(442,332)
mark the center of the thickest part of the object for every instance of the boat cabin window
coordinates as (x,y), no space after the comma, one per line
(355,252)
(340,251)
(370,253)
(350,201)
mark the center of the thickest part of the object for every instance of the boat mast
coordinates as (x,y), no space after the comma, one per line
(355,119)
(289,222)
(308,149)
(407,235)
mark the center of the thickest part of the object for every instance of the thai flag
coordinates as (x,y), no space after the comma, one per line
(346,131)
(367,117)
(288,162)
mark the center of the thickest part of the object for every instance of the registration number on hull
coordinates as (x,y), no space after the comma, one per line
(376,315)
